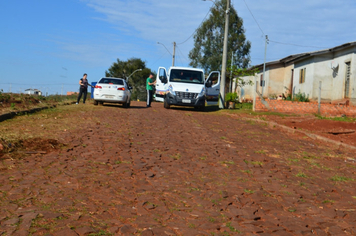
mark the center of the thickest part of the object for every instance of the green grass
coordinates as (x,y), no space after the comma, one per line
(292,209)
(328,201)
(248,191)
(176,156)
(261,152)
(345,119)
(337,178)
(301,175)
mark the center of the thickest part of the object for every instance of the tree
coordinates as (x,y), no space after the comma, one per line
(238,73)
(209,40)
(123,69)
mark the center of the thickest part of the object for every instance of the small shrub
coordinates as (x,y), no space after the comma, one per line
(301,97)
(231,97)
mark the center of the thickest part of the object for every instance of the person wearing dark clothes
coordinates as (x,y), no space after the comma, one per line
(83,89)
(150,84)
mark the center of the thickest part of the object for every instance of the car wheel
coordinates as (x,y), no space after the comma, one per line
(95,102)
(129,104)
(125,104)
(166,104)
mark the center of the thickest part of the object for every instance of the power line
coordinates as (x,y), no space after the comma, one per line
(254,17)
(197,27)
(297,45)
(182,54)
(291,44)
(159,58)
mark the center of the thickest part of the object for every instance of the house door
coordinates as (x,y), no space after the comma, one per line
(347,80)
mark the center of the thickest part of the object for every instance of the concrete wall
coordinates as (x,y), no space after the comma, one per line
(246,92)
(276,80)
(333,81)
(278,77)
(306,108)
(307,86)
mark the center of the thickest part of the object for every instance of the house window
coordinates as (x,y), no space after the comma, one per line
(302,75)
(262,81)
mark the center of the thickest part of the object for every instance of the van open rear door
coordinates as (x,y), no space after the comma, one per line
(161,81)
(212,92)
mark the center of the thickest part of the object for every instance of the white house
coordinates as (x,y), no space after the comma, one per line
(33,92)
(334,67)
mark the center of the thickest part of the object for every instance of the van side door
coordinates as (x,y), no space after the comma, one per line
(212,85)
(161,81)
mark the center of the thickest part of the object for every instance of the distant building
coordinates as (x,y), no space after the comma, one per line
(33,92)
(300,73)
(71,93)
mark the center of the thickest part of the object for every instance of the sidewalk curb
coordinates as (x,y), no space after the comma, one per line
(273,124)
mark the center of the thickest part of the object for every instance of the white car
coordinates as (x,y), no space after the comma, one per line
(112,90)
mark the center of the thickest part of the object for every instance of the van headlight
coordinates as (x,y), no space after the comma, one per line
(202,92)
(171,91)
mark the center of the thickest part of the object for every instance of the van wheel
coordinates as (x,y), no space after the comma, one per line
(166,104)
(202,108)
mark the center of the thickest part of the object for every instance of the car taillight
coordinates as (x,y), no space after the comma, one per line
(123,89)
(97,86)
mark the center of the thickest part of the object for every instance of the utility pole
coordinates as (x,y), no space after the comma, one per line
(223,67)
(264,66)
(174,53)
(232,61)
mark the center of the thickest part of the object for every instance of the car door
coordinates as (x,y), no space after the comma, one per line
(161,81)
(213,91)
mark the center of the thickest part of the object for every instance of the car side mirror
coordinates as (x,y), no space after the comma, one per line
(163,79)
(130,87)
(208,84)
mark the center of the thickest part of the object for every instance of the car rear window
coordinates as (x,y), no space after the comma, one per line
(111,81)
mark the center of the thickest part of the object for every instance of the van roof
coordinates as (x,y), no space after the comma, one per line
(186,68)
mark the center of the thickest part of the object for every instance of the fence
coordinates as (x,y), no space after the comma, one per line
(284,106)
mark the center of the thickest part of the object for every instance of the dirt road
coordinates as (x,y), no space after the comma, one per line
(87,170)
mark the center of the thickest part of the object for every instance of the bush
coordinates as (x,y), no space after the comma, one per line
(301,97)
(230,97)
(4,97)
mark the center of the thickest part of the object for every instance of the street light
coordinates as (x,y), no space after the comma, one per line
(224,57)
(127,80)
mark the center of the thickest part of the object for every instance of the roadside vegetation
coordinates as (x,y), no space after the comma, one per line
(13,102)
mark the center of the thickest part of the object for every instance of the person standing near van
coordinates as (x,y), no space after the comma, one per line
(150,88)
(83,89)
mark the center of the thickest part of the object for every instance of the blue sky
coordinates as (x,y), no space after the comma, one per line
(49,44)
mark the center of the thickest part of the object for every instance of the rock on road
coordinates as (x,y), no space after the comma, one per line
(153,171)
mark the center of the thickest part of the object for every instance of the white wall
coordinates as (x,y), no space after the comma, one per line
(318,69)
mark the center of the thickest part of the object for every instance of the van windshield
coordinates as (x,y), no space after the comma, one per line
(186,76)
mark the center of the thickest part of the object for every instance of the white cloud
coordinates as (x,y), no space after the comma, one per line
(321,23)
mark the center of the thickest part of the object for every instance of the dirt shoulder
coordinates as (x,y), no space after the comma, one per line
(17,103)
(152,171)
(340,129)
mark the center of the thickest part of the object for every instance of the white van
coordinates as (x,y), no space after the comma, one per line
(183,86)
